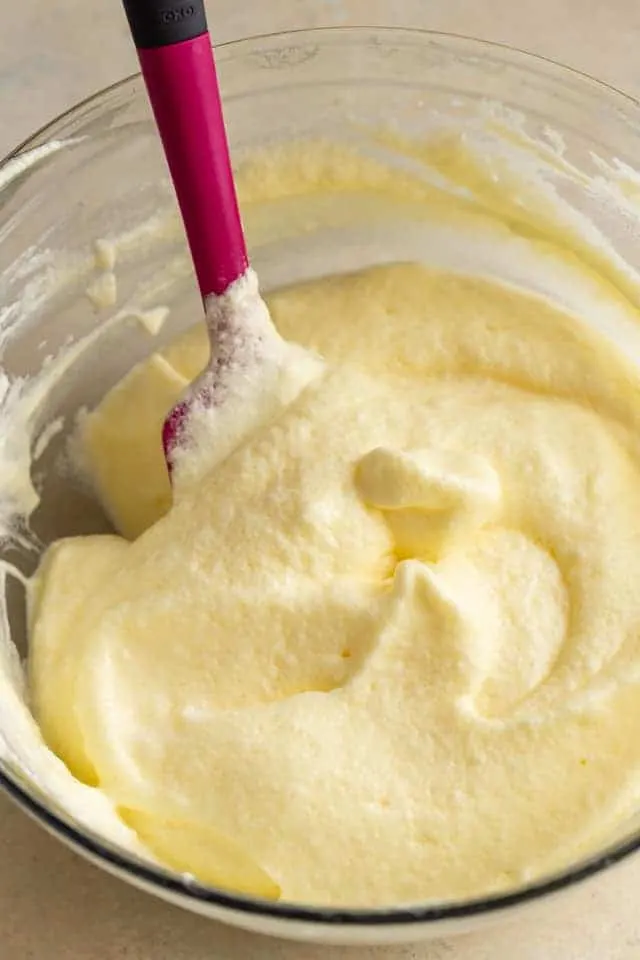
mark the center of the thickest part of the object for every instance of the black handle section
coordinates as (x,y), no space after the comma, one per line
(160,23)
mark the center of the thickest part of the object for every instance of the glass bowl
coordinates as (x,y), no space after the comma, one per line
(97,171)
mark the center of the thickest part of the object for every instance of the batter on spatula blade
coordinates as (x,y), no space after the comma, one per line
(252,375)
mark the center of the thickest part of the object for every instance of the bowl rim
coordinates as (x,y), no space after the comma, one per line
(185,888)
(356,30)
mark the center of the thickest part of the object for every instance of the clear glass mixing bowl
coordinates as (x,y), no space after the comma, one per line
(98,170)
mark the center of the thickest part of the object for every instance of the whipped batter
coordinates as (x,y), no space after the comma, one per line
(388,649)
(382,647)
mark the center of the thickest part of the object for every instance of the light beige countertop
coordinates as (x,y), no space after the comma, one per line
(54,905)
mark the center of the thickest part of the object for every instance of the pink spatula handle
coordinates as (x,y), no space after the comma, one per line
(174,49)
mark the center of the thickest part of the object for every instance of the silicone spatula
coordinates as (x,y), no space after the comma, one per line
(177,62)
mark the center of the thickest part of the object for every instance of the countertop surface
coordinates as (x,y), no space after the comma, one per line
(53,904)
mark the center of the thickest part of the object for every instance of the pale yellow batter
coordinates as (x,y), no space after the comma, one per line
(389,649)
